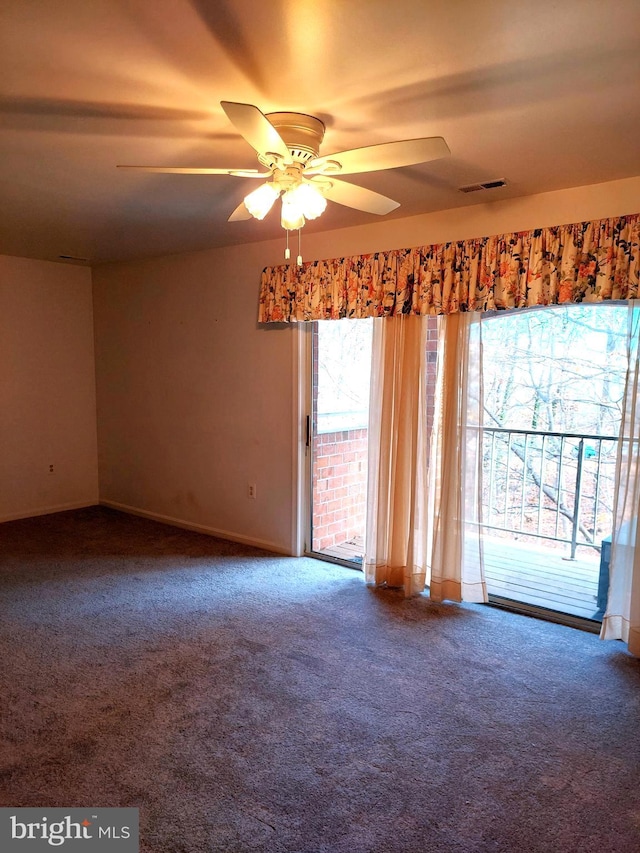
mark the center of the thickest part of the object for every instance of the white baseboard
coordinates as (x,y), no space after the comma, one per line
(46,510)
(198,528)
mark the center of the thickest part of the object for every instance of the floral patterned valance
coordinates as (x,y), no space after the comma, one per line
(582,262)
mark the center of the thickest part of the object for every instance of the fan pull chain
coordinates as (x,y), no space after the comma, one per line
(299,258)
(287,251)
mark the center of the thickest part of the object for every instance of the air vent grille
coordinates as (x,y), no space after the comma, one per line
(485,185)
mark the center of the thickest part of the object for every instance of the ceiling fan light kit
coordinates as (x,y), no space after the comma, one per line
(308,199)
(292,217)
(288,146)
(260,201)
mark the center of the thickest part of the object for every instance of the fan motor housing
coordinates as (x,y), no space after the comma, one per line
(301,133)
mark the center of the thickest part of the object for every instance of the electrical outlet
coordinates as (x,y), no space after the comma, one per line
(51,469)
(251,491)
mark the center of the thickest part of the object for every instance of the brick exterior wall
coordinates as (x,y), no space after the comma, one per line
(339,487)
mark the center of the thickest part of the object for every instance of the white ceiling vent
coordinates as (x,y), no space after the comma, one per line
(485,185)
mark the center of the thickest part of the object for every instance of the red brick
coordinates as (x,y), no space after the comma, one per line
(339,495)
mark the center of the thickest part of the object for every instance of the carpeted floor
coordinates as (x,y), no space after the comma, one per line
(246,702)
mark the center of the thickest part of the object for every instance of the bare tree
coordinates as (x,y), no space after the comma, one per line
(562,372)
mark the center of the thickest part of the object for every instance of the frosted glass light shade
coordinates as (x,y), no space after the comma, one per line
(292,216)
(308,199)
(260,201)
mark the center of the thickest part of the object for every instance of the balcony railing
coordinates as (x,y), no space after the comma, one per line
(550,485)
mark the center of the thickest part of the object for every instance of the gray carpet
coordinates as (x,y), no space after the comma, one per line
(246,702)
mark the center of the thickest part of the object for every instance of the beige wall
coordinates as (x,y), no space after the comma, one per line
(576,204)
(195,401)
(47,388)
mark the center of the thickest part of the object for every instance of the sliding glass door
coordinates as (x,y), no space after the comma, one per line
(553,385)
(341,368)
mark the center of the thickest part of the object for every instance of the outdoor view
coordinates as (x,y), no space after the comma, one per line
(342,367)
(553,385)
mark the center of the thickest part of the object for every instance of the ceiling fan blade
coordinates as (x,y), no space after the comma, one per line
(388,155)
(256,128)
(240,213)
(358,197)
(239,173)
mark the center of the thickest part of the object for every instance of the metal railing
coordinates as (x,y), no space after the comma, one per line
(550,485)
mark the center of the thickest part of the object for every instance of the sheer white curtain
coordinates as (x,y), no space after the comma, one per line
(457,567)
(424,491)
(622,617)
(396,533)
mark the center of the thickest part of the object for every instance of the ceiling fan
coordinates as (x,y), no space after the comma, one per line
(288,146)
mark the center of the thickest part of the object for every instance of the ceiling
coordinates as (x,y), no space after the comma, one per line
(545,94)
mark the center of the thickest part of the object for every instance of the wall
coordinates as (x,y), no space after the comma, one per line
(195,401)
(47,388)
(596,201)
(339,487)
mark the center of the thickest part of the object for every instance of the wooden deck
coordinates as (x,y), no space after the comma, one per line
(351,551)
(521,572)
(541,577)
